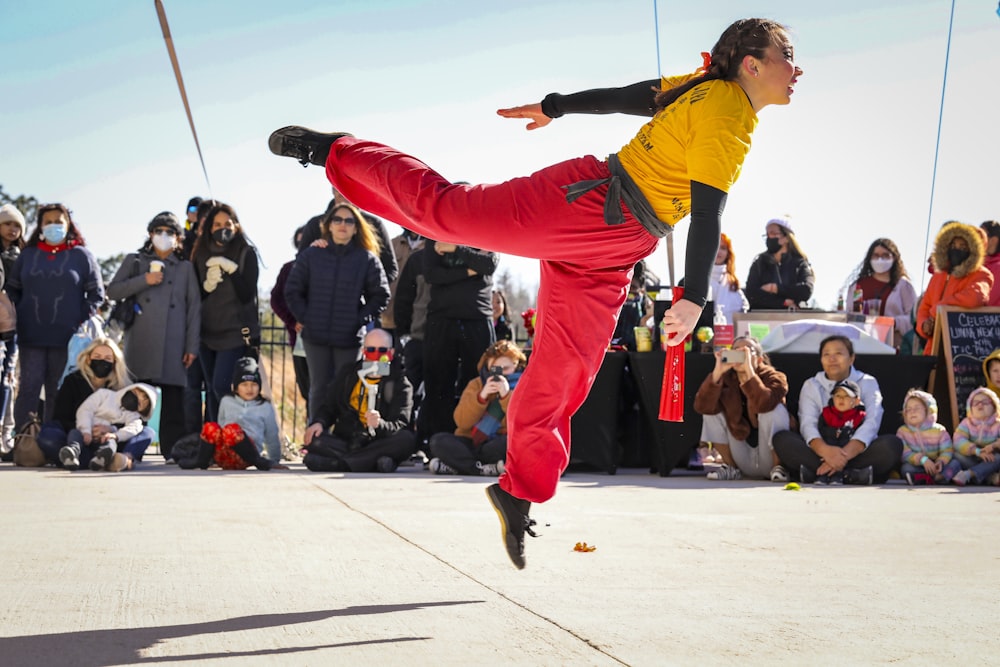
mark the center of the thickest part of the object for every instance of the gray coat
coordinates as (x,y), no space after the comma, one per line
(170,322)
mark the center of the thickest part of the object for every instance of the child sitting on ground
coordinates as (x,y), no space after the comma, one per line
(246,423)
(928,455)
(837,423)
(991,369)
(976,438)
(107,420)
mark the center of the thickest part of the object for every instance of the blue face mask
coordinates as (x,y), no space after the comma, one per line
(54,234)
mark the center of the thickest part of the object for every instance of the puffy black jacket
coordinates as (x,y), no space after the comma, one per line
(335,291)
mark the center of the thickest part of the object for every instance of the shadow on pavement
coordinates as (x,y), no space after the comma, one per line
(120,646)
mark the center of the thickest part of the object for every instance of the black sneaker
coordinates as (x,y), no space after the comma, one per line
(514,522)
(806,476)
(837,479)
(862,476)
(102,458)
(385,464)
(823,480)
(303,144)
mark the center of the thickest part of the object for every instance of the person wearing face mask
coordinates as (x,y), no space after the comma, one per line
(479,444)
(110,432)
(882,282)
(226,266)
(163,341)
(348,433)
(56,285)
(780,278)
(100,365)
(959,277)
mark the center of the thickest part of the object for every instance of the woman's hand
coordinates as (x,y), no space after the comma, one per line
(319,243)
(315,430)
(154,278)
(680,321)
(188,359)
(532,112)
(927,327)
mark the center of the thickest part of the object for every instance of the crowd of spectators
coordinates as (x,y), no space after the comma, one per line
(403,348)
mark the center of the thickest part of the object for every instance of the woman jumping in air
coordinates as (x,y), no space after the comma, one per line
(588,221)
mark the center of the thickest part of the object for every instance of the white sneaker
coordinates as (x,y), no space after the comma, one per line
(439,467)
(70,458)
(780,475)
(490,469)
(725,472)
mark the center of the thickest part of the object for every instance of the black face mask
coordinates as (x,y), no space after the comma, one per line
(101,368)
(222,236)
(773,244)
(130,402)
(956,256)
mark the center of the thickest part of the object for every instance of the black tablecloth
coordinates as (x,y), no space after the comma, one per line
(594,428)
(672,442)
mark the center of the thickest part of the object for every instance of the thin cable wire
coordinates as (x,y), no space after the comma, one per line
(656,27)
(937,143)
(180,85)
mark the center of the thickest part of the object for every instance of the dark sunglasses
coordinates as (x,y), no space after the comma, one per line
(337,220)
(373,350)
(165,230)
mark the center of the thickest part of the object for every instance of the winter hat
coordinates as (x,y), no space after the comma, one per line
(165,219)
(849,386)
(929,402)
(9,212)
(782,222)
(246,370)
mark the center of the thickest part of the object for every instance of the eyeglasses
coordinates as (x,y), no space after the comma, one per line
(982,403)
(337,220)
(165,230)
(373,350)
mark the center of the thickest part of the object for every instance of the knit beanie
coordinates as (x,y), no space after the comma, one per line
(246,370)
(166,219)
(9,213)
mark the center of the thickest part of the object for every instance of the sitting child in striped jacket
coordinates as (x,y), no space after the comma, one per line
(928,455)
(977,440)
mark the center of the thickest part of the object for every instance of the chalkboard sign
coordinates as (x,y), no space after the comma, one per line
(962,340)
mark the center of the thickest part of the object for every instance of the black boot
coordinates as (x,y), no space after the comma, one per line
(303,144)
(321,463)
(203,459)
(514,522)
(248,452)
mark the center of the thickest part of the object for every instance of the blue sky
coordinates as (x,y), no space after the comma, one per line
(92,116)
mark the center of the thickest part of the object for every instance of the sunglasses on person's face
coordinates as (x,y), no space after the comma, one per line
(373,350)
(337,220)
(167,231)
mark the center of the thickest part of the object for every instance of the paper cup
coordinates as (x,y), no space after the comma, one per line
(155,266)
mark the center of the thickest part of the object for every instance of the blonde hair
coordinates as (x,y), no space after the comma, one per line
(503,348)
(119,374)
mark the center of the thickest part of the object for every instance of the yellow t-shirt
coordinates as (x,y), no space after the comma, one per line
(703,136)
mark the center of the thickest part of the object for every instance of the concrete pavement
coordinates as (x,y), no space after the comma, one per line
(158,566)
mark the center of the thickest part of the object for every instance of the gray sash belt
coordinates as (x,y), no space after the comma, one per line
(621,188)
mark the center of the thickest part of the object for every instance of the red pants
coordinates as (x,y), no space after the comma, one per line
(586,267)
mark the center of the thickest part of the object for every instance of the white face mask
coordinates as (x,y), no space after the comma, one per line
(881,264)
(163,242)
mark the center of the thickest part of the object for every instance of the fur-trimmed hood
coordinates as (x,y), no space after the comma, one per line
(977,248)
